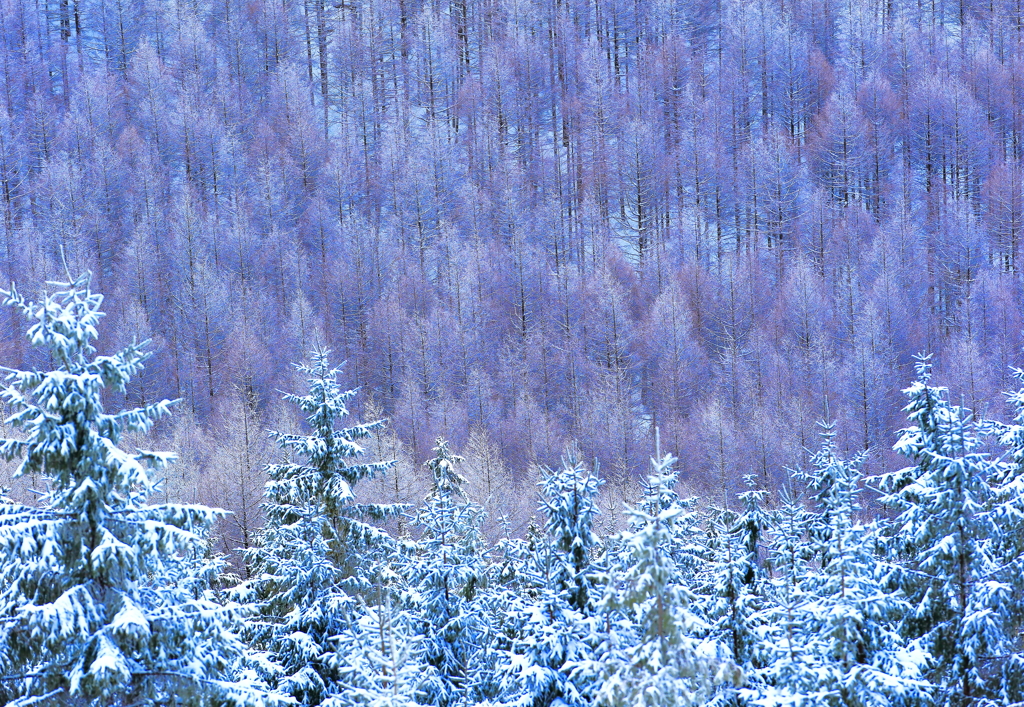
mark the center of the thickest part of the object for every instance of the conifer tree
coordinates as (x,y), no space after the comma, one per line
(1007,545)
(832,636)
(104,599)
(732,591)
(378,658)
(944,532)
(688,549)
(780,649)
(856,608)
(657,652)
(551,631)
(317,548)
(568,499)
(445,575)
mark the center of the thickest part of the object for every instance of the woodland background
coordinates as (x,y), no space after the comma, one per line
(526,223)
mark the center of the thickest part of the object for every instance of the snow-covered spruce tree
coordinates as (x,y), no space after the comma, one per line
(856,606)
(1007,546)
(317,549)
(568,500)
(378,656)
(944,534)
(778,651)
(103,598)
(551,627)
(445,573)
(731,587)
(655,649)
(689,548)
(832,637)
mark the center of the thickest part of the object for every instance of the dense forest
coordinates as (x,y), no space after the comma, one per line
(542,353)
(110,598)
(525,224)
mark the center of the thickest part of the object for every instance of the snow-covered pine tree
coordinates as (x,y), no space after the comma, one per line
(1007,546)
(551,627)
(731,587)
(779,651)
(445,573)
(944,534)
(568,499)
(656,651)
(855,605)
(833,636)
(689,549)
(727,603)
(104,599)
(378,658)
(317,549)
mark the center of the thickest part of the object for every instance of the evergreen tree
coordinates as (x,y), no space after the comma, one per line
(944,532)
(832,637)
(104,599)
(732,591)
(854,601)
(1007,546)
(780,650)
(568,499)
(688,548)
(551,630)
(317,547)
(445,574)
(378,659)
(655,651)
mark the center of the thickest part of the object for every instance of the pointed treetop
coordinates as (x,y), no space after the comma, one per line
(447,482)
(65,320)
(660,485)
(923,367)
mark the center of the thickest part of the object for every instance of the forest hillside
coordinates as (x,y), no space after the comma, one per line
(511,353)
(524,224)
(110,597)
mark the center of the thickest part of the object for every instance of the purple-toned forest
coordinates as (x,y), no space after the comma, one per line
(527,222)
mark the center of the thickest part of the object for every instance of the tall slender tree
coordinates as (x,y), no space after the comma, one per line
(943,532)
(657,653)
(318,548)
(447,572)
